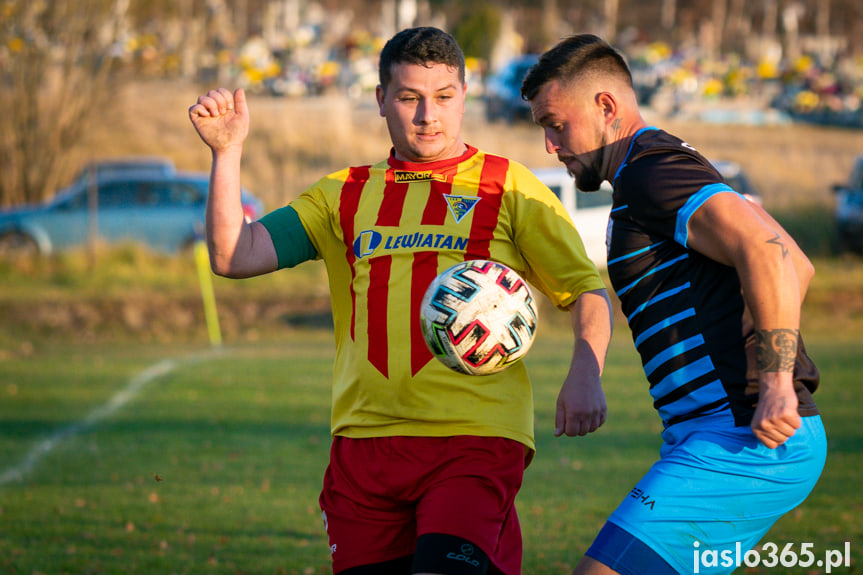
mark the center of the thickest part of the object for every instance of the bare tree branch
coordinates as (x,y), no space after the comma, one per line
(56,59)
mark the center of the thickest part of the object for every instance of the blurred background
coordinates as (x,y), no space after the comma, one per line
(156,419)
(65,65)
(97,152)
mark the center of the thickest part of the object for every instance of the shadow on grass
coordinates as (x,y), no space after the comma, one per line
(309,319)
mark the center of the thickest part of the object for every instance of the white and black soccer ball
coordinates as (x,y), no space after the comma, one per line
(478,317)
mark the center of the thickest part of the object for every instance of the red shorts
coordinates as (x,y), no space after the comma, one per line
(380,494)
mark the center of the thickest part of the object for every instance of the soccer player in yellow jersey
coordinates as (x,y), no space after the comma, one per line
(425,462)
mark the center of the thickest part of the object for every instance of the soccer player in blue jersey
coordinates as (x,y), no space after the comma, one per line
(712,287)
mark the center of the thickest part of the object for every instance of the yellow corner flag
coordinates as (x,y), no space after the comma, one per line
(202,262)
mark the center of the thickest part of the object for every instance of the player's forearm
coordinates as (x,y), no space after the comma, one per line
(803,267)
(225,225)
(772,293)
(592,327)
(581,406)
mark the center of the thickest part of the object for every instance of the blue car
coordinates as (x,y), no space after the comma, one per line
(849,210)
(145,202)
(502,91)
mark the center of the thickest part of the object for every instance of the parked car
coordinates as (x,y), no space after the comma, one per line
(114,167)
(590,210)
(502,91)
(849,210)
(138,201)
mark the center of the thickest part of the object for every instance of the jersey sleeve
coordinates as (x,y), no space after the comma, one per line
(292,243)
(666,190)
(303,230)
(549,242)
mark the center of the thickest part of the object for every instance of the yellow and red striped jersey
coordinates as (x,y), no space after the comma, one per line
(385,231)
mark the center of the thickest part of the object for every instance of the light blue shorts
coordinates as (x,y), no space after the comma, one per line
(715,486)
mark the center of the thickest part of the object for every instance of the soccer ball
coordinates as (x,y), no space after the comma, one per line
(478,317)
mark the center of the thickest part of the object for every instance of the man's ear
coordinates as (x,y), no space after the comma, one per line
(464,103)
(379,95)
(608,104)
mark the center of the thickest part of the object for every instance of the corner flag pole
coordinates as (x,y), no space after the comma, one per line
(202,261)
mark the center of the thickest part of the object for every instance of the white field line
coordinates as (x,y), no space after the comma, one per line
(121,398)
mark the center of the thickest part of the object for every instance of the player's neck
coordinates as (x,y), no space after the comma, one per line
(625,132)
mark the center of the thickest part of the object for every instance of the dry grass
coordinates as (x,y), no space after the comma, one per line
(294,142)
(792,165)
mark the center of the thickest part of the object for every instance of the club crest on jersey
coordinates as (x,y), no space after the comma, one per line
(401,176)
(460,206)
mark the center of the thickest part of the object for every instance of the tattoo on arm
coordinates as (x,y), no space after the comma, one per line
(776,349)
(778,241)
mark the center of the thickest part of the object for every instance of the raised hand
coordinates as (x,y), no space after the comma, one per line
(221,118)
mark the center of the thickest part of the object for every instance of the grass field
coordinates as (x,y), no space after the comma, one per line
(145,458)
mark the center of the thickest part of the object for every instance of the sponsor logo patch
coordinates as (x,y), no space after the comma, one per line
(369,241)
(366,243)
(424,176)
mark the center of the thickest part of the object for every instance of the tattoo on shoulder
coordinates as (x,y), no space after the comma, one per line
(776,349)
(778,241)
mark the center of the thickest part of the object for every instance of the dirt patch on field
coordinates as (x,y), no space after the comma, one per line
(164,319)
(161,318)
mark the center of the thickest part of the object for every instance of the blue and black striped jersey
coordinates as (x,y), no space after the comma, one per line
(684,309)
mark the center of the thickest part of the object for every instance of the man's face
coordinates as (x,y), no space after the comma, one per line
(574,131)
(424,107)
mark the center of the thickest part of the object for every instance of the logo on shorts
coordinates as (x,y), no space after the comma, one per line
(327,529)
(646,499)
(465,553)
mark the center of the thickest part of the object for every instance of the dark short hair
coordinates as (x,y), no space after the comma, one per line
(424,46)
(573,57)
